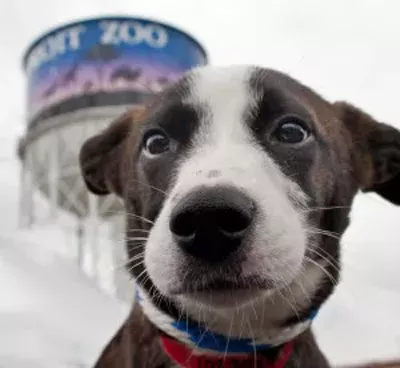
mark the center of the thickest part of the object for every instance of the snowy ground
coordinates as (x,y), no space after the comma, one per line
(51,316)
(361,321)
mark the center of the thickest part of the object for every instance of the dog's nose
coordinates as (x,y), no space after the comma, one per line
(211,223)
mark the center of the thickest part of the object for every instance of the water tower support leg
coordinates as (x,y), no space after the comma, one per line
(23,196)
(26,194)
(93,223)
(53,177)
(80,244)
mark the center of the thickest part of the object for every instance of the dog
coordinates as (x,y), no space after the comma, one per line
(237,183)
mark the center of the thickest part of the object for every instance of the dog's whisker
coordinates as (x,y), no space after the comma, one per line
(330,276)
(326,259)
(323,232)
(136,257)
(149,186)
(322,252)
(121,213)
(153,291)
(284,298)
(345,288)
(138,230)
(141,274)
(136,246)
(137,238)
(238,311)
(126,263)
(228,339)
(301,285)
(252,335)
(144,219)
(297,281)
(254,309)
(312,209)
(136,265)
(343,261)
(197,345)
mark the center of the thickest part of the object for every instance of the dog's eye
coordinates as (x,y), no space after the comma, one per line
(155,143)
(291,131)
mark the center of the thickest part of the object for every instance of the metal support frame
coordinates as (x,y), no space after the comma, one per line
(53,174)
(92,234)
(26,209)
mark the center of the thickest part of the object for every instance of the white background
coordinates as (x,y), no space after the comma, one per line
(346,49)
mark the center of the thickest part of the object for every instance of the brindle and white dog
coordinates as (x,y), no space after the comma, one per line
(237,183)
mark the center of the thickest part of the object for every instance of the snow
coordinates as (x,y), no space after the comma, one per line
(51,315)
(361,322)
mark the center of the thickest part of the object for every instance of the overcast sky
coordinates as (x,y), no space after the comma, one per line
(345,49)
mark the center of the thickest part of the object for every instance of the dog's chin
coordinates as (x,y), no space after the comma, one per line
(223,293)
(222,299)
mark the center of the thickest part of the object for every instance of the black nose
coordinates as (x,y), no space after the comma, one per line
(211,223)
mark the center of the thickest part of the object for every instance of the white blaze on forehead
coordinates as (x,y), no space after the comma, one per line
(224,142)
(225,96)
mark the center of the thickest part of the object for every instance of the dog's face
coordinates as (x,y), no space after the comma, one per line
(237,157)
(238,182)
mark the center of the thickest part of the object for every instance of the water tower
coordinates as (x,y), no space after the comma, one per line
(79,78)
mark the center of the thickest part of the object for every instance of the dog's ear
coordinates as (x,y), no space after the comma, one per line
(375,150)
(103,156)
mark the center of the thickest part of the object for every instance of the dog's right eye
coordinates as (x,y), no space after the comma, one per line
(291,130)
(155,143)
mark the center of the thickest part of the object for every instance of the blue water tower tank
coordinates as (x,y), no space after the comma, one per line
(79,78)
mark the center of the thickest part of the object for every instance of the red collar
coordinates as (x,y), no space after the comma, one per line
(183,356)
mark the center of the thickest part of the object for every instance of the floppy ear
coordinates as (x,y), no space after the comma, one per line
(376,152)
(103,157)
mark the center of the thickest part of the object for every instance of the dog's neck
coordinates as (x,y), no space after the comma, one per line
(188,338)
(137,345)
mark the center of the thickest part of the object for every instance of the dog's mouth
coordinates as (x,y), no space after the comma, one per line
(222,285)
(220,292)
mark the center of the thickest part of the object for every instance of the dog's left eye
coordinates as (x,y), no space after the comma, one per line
(291,131)
(155,143)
